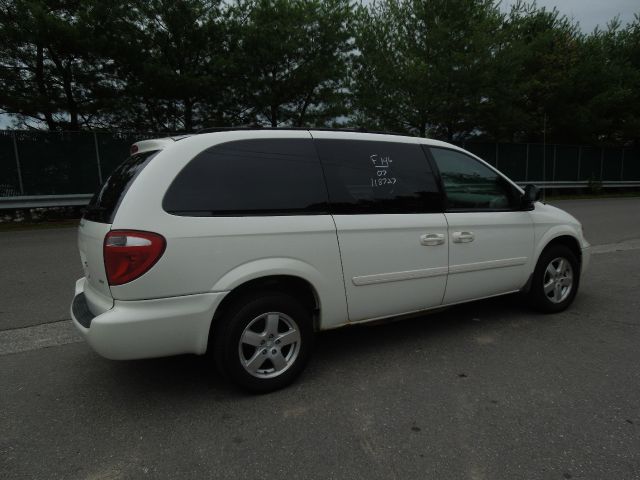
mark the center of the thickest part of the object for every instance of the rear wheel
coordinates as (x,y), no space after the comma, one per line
(263,343)
(555,280)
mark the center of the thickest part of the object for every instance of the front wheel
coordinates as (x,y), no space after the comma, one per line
(264,342)
(555,280)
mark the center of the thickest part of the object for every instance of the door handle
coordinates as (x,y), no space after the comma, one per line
(463,237)
(432,239)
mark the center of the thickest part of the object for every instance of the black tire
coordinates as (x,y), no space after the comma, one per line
(249,315)
(553,301)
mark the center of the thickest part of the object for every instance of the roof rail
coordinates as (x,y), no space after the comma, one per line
(323,129)
(229,129)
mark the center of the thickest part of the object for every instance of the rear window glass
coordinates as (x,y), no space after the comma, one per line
(275,176)
(104,204)
(378,177)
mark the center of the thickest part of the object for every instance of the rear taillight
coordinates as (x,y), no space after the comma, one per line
(128,254)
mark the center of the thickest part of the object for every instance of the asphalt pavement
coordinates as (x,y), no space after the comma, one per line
(488,390)
(606,220)
(39,271)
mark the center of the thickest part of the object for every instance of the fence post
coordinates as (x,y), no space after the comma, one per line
(544,162)
(601,162)
(526,166)
(553,170)
(622,166)
(579,161)
(95,142)
(496,154)
(19,170)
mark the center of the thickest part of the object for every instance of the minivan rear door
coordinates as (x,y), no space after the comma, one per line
(96,223)
(90,241)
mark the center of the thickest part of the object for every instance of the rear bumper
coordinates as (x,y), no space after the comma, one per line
(80,311)
(147,328)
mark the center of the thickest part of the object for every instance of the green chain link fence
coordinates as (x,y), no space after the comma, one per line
(52,163)
(36,163)
(529,162)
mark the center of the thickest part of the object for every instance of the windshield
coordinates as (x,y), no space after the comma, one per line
(102,207)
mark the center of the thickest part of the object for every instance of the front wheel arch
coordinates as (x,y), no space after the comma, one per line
(569,241)
(537,296)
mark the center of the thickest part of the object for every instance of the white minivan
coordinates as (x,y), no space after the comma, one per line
(246,242)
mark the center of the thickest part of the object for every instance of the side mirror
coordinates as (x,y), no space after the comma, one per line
(530,196)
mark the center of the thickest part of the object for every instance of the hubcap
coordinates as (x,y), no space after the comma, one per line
(269,345)
(558,280)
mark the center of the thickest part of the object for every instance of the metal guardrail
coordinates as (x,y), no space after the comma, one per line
(43,201)
(584,184)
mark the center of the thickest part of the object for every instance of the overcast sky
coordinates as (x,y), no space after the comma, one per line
(590,12)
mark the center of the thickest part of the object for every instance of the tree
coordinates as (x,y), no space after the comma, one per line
(630,51)
(170,57)
(422,65)
(451,69)
(292,60)
(531,69)
(606,86)
(51,74)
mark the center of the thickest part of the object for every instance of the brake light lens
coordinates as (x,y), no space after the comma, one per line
(129,254)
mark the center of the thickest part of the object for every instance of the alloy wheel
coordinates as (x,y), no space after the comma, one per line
(269,345)
(558,280)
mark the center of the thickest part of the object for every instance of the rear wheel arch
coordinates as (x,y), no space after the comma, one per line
(262,334)
(297,287)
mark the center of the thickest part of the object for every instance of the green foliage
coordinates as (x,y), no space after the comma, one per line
(171,57)
(51,71)
(535,53)
(291,58)
(451,69)
(422,65)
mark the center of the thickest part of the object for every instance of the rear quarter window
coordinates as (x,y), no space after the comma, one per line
(275,176)
(104,204)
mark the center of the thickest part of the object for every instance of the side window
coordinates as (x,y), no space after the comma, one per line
(470,185)
(378,177)
(273,176)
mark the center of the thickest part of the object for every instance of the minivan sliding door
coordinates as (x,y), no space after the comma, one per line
(391,231)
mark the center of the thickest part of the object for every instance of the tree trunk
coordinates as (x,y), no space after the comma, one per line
(67,78)
(303,110)
(72,106)
(188,115)
(42,89)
